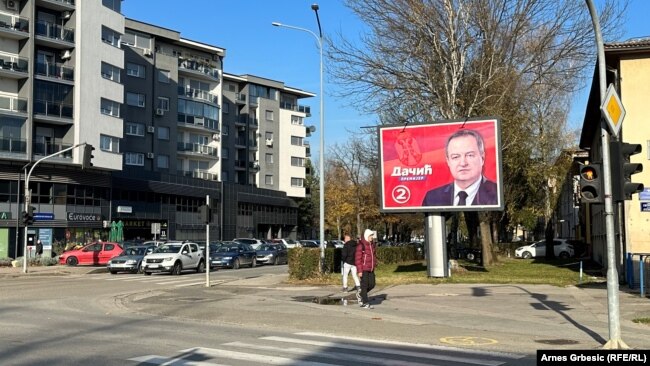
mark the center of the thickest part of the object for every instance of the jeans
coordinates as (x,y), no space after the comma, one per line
(367,284)
(347,268)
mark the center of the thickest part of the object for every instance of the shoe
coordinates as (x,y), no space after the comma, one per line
(367,306)
(359,297)
(344,289)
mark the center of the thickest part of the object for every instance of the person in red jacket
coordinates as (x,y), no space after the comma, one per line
(366,261)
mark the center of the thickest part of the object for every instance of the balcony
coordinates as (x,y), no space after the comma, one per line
(194,148)
(240,164)
(54,35)
(55,71)
(53,111)
(13,104)
(198,68)
(198,94)
(297,108)
(49,148)
(197,123)
(240,98)
(254,165)
(240,143)
(14,27)
(199,174)
(13,145)
(13,67)
(60,5)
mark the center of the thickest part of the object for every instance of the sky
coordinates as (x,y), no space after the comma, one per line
(253,46)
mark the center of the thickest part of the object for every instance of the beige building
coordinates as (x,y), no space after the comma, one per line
(628,69)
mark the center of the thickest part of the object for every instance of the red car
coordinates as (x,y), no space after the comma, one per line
(95,253)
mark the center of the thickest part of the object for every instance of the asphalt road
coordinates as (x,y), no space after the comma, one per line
(80,320)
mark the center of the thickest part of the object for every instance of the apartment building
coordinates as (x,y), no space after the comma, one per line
(152,104)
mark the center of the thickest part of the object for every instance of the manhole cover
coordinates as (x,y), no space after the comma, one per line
(557,342)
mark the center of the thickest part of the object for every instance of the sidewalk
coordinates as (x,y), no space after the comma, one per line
(504,318)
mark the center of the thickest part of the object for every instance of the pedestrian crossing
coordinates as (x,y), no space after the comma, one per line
(310,349)
(162,279)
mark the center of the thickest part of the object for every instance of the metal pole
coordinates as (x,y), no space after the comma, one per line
(28,198)
(615,341)
(207,244)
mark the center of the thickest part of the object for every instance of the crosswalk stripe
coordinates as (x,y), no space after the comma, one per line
(264,359)
(165,361)
(385,351)
(328,354)
(193,284)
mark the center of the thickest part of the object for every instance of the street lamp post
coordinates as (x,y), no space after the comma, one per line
(321,155)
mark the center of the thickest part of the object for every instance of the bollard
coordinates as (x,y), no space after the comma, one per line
(580,280)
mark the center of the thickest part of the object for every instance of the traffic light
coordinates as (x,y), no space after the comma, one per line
(28,216)
(591,184)
(622,169)
(206,214)
(87,156)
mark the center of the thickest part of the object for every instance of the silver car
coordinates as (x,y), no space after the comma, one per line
(130,260)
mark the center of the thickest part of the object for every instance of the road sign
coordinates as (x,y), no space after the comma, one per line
(40,216)
(155,228)
(645,206)
(613,111)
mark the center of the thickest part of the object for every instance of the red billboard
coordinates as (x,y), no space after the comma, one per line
(446,166)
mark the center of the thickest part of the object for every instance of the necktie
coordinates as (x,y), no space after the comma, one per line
(462,196)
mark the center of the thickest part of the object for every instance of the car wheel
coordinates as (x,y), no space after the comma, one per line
(177,269)
(113,272)
(470,256)
(235,264)
(564,255)
(72,261)
(526,255)
(147,273)
(201,267)
(276,261)
(254,263)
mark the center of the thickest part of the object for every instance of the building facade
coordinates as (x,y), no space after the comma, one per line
(152,104)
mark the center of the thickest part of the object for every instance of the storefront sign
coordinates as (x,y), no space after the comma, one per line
(40,216)
(124,209)
(45,236)
(78,217)
(5,215)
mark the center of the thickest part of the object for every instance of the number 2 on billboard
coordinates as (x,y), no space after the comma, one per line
(401,194)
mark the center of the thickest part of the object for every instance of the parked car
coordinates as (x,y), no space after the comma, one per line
(174,258)
(337,243)
(289,243)
(130,259)
(155,243)
(309,243)
(233,255)
(562,249)
(272,254)
(95,253)
(250,241)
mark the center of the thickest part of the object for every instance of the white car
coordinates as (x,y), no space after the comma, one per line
(289,243)
(250,241)
(174,258)
(538,249)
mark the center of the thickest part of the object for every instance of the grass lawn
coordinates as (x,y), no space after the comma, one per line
(557,272)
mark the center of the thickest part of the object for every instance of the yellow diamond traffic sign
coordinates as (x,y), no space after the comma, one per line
(612,110)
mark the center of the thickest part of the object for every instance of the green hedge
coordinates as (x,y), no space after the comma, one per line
(303,262)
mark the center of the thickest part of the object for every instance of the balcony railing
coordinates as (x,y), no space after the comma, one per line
(197,148)
(14,22)
(198,94)
(296,107)
(53,109)
(13,104)
(15,63)
(54,31)
(13,145)
(49,148)
(55,71)
(199,66)
(198,121)
(240,164)
(200,174)
(239,97)
(254,165)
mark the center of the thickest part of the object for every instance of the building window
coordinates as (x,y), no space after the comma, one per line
(225,129)
(111,37)
(232,87)
(269,115)
(110,72)
(296,161)
(268,180)
(268,158)
(163,133)
(225,153)
(224,176)
(163,76)
(134,129)
(163,103)
(268,135)
(296,182)
(135,70)
(114,5)
(110,108)
(134,159)
(139,40)
(226,108)
(162,161)
(296,140)
(135,99)
(109,143)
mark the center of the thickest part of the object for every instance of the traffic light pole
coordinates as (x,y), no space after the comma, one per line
(615,341)
(28,196)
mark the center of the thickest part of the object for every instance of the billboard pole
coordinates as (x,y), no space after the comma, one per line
(435,234)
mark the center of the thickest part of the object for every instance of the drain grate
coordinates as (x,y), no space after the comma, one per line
(556,342)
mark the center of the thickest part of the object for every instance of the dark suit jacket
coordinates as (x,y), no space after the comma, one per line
(444,196)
